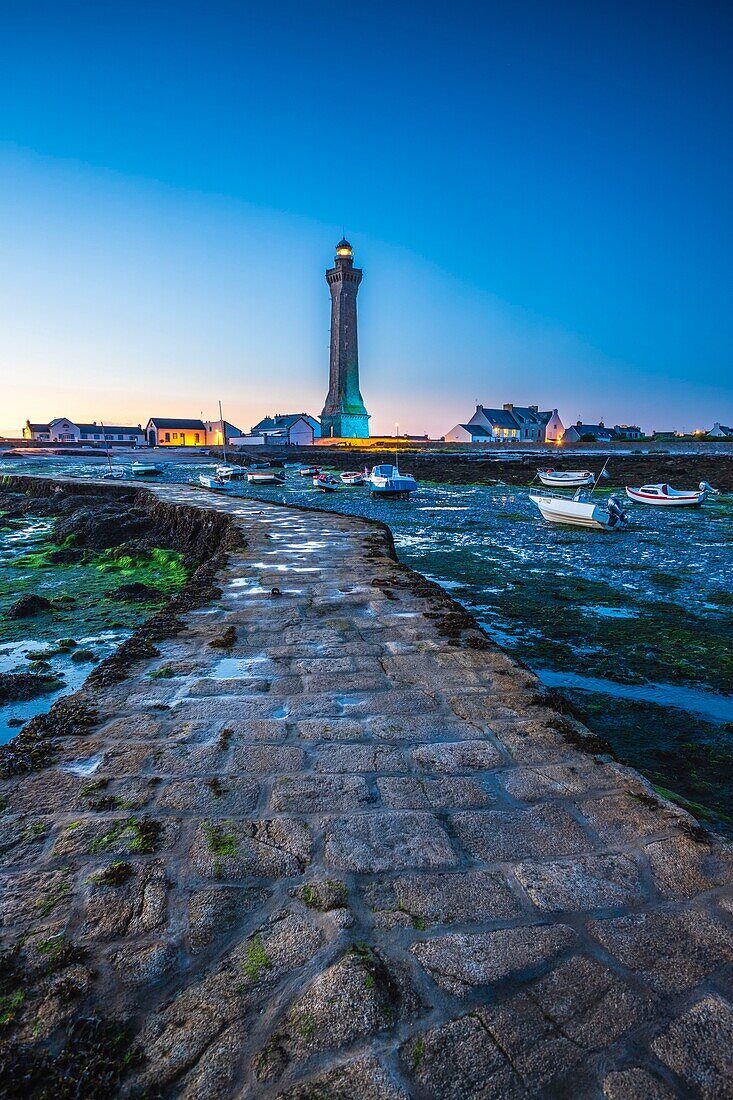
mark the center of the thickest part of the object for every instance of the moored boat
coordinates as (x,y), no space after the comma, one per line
(145,469)
(387,481)
(354,477)
(309,471)
(668,497)
(227,471)
(264,477)
(215,483)
(580,510)
(326,483)
(566,479)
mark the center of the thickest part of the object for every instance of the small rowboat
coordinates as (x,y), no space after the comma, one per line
(387,481)
(326,484)
(566,479)
(264,477)
(354,477)
(580,510)
(227,471)
(215,483)
(668,497)
(309,471)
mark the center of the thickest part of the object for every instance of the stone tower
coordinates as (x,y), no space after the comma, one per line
(344,413)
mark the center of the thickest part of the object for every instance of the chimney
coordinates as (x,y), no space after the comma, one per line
(508,407)
(534,408)
(578,423)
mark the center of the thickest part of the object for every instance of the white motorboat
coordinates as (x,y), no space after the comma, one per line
(566,479)
(354,477)
(667,497)
(264,477)
(326,483)
(215,483)
(309,471)
(387,481)
(580,510)
(145,469)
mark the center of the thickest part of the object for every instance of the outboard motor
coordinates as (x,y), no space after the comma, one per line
(706,487)
(618,516)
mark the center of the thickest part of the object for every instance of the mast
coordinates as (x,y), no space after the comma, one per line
(223,434)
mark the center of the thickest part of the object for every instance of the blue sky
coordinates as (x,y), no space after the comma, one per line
(538,194)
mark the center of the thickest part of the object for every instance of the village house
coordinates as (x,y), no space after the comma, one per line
(485,426)
(219,431)
(175,432)
(720,431)
(554,427)
(588,433)
(511,424)
(628,431)
(288,430)
(62,430)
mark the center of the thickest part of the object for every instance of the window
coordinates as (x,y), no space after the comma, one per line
(167,437)
(84,435)
(175,435)
(196,437)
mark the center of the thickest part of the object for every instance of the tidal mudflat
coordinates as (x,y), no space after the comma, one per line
(76,577)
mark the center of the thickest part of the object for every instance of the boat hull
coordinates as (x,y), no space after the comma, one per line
(553,481)
(264,479)
(688,500)
(572,513)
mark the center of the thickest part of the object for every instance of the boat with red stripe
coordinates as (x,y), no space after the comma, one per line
(665,496)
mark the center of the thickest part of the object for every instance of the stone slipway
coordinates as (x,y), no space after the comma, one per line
(356,853)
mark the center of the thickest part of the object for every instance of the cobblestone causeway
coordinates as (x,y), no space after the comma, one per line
(379,863)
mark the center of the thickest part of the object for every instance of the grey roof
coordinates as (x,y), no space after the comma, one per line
(39,427)
(592,429)
(528,414)
(500,418)
(279,423)
(475,429)
(111,429)
(172,422)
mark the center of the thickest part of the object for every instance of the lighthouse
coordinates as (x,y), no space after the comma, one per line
(344,414)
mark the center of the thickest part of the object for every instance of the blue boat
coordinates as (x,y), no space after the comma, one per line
(387,481)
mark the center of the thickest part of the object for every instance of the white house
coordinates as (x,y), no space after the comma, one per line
(554,427)
(292,430)
(62,430)
(720,431)
(469,433)
(588,433)
(219,431)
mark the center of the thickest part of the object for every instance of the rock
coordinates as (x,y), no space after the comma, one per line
(29,605)
(16,686)
(102,526)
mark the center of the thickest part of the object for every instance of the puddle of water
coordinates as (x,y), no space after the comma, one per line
(84,767)
(233,668)
(718,708)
